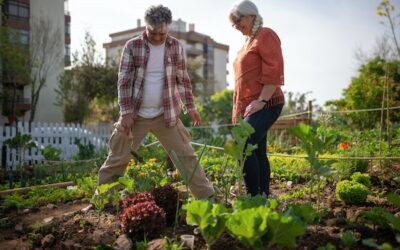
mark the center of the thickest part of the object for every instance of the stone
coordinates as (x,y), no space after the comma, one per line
(48,240)
(68,245)
(19,227)
(51,206)
(157,244)
(48,220)
(124,242)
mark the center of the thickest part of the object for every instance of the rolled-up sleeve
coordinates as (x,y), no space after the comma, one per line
(272,59)
(125,81)
(183,81)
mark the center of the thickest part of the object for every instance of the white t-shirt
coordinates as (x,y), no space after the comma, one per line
(153,83)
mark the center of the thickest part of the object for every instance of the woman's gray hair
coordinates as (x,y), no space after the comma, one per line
(247,8)
(157,15)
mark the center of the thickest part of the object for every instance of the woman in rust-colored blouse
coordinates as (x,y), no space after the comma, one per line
(258,97)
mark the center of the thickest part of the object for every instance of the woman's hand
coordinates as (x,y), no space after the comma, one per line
(253,107)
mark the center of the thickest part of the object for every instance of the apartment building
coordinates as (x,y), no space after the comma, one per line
(213,55)
(32,20)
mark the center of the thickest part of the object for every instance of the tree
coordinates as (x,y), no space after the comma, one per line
(366,90)
(45,53)
(13,67)
(89,84)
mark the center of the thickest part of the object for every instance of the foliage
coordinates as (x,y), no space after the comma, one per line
(20,142)
(87,83)
(351,192)
(263,228)
(39,196)
(147,176)
(374,217)
(14,57)
(131,200)
(85,151)
(348,239)
(87,185)
(219,108)
(361,178)
(144,218)
(51,153)
(289,169)
(239,149)
(171,244)
(103,195)
(210,218)
(345,168)
(166,197)
(365,92)
(315,142)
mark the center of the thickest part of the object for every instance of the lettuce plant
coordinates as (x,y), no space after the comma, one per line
(144,218)
(210,218)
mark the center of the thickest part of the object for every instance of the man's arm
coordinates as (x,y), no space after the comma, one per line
(125,88)
(125,81)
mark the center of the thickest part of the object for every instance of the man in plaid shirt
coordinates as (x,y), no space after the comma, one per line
(152,83)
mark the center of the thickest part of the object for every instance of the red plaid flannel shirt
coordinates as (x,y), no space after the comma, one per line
(177,85)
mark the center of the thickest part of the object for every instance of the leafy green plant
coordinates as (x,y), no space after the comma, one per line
(345,168)
(103,195)
(262,228)
(51,153)
(85,151)
(351,192)
(143,218)
(348,239)
(328,246)
(20,142)
(87,185)
(166,197)
(171,244)
(208,217)
(374,217)
(144,176)
(361,178)
(316,142)
(239,149)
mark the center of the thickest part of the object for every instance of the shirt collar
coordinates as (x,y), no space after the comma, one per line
(146,41)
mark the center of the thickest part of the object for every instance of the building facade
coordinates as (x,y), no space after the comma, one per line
(33,20)
(212,56)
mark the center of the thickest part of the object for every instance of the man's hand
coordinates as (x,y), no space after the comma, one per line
(195,117)
(127,122)
(253,107)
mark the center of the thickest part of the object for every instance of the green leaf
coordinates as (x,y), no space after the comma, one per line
(394,198)
(283,230)
(249,225)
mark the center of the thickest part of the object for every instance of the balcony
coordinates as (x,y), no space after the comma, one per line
(21,105)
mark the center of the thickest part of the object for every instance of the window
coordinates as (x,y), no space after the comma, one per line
(67,29)
(16,9)
(67,50)
(19,36)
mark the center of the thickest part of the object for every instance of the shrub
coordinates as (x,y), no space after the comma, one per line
(345,168)
(361,178)
(129,201)
(166,197)
(351,192)
(143,219)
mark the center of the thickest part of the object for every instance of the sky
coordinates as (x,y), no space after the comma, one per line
(319,38)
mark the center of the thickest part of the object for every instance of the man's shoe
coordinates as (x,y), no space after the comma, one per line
(88,208)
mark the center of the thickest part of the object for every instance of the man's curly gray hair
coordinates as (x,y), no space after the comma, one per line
(157,15)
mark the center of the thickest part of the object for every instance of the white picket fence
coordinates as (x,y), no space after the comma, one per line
(60,136)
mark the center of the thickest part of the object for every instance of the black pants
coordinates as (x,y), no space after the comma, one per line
(256,166)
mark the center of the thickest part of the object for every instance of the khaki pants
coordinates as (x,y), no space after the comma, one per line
(175,139)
